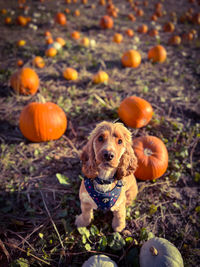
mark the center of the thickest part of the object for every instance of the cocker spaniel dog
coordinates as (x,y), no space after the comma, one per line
(108,165)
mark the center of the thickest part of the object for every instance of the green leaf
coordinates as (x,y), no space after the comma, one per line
(103,243)
(84,231)
(129,240)
(21,262)
(176,205)
(197,209)
(153,208)
(62,179)
(41,235)
(87,247)
(116,241)
(94,230)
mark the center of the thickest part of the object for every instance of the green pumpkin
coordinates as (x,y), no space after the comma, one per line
(159,252)
(99,261)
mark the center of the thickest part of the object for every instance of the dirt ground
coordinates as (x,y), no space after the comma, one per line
(37,211)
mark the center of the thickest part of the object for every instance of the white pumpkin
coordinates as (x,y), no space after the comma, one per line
(159,252)
(55,45)
(99,261)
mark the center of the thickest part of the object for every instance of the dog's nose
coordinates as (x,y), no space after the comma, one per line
(108,155)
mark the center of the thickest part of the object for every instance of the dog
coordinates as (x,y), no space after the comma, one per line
(108,165)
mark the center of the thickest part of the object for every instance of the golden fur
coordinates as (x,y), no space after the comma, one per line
(109,151)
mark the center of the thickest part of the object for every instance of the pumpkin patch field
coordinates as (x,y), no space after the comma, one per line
(67,65)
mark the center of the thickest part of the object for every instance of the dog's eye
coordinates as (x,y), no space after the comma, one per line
(100,138)
(120,141)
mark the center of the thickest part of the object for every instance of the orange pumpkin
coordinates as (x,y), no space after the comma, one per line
(143,28)
(61,41)
(75,35)
(153,32)
(40,122)
(175,40)
(129,32)
(8,20)
(38,62)
(106,22)
(60,18)
(20,62)
(77,13)
(117,38)
(51,52)
(139,13)
(152,157)
(25,81)
(135,111)
(131,17)
(100,77)
(131,59)
(70,74)
(157,54)
(21,20)
(85,42)
(169,27)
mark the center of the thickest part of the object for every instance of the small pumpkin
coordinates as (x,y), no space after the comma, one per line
(70,74)
(135,112)
(77,13)
(129,32)
(175,40)
(41,122)
(60,18)
(152,157)
(20,62)
(61,41)
(8,20)
(160,252)
(153,32)
(49,40)
(75,35)
(143,28)
(51,52)
(22,21)
(55,45)
(99,261)
(169,27)
(85,42)
(131,58)
(25,81)
(157,54)
(38,62)
(100,77)
(106,22)
(117,38)
(21,43)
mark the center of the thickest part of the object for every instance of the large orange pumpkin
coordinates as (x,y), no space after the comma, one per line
(106,22)
(25,81)
(131,58)
(40,122)
(135,111)
(157,54)
(152,157)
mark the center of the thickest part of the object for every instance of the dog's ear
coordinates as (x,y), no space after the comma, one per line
(128,161)
(89,167)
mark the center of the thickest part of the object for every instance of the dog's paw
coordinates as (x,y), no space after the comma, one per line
(80,222)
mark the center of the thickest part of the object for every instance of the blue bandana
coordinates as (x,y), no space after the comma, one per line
(104,200)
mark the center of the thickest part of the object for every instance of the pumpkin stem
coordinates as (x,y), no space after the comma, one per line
(148,152)
(154,251)
(41,99)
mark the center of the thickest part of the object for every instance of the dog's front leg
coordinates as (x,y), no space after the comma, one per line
(86,216)
(119,217)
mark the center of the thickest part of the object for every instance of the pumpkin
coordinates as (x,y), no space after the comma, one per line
(75,35)
(157,54)
(135,111)
(160,252)
(55,45)
(38,62)
(139,13)
(61,41)
(99,261)
(169,27)
(49,40)
(102,2)
(20,62)
(85,41)
(22,21)
(117,38)
(143,28)
(131,58)
(70,74)
(154,17)
(174,40)
(153,33)
(106,22)
(152,157)
(100,77)
(51,52)
(21,43)
(40,122)
(8,20)
(129,32)
(77,13)
(60,18)
(25,81)
(132,17)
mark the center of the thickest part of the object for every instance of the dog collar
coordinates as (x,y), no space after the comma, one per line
(103,200)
